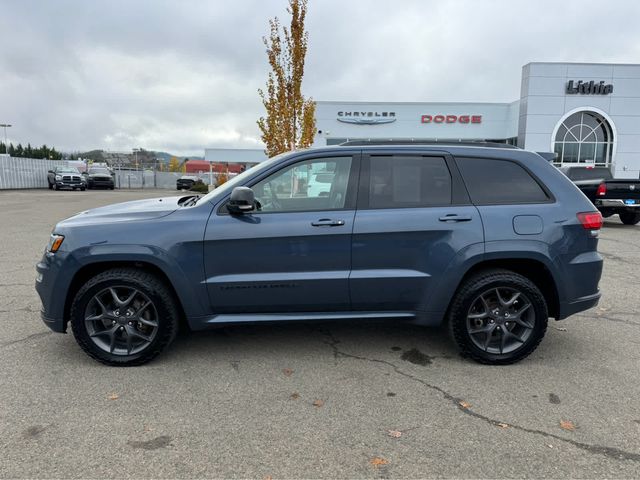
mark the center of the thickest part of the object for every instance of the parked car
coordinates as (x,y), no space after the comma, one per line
(319,184)
(610,196)
(100,177)
(185,182)
(492,241)
(65,177)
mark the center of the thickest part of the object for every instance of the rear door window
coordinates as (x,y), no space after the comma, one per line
(492,181)
(399,181)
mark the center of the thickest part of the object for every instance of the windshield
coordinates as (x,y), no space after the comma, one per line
(242,177)
(67,170)
(99,170)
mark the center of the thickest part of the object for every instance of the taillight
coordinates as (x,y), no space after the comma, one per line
(590,220)
(602,190)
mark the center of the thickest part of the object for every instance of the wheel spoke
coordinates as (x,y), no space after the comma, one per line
(122,303)
(142,308)
(129,341)
(522,323)
(489,333)
(480,315)
(99,302)
(489,327)
(513,299)
(131,331)
(149,323)
(521,310)
(95,318)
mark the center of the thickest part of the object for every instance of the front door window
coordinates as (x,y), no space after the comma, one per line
(313,185)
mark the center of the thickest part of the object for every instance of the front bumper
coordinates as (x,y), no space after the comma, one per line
(64,184)
(52,283)
(104,183)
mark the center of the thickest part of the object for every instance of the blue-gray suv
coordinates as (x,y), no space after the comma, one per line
(493,241)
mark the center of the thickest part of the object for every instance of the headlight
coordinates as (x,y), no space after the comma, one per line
(54,243)
(58,177)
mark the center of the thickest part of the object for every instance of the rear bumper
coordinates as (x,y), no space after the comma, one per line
(616,203)
(581,304)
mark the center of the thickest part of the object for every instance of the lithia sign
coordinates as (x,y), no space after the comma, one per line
(588,88)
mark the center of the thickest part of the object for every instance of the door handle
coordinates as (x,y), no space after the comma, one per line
(454,217)
(327,222)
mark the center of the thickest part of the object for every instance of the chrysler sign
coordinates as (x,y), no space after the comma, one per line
(588,88)
(367,118)
(451,119)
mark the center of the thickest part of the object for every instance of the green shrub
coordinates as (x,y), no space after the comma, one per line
(199,187)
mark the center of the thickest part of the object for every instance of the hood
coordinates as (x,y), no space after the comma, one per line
(127,211)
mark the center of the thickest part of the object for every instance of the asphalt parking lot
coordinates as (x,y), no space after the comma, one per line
(317,400)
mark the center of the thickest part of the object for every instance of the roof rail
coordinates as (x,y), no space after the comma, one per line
(468,143)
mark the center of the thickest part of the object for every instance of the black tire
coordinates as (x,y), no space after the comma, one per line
(465,300)
(155,290)
(55,187)
(630,218)
(82,189)
(50,185)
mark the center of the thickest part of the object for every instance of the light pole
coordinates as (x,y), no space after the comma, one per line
(6,146)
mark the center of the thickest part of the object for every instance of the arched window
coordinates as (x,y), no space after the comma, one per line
(584,137)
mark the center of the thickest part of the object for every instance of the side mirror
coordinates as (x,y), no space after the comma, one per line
(242,200)
(51,171)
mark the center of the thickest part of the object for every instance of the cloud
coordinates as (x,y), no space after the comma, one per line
(182,76)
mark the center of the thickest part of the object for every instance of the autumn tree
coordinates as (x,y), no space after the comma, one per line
(290,117)
(174,165)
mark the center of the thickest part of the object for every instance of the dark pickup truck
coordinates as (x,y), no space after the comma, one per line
(609,195)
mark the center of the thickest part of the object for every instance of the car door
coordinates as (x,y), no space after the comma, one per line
(293,253)
(413,218)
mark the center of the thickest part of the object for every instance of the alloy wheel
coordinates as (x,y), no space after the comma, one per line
(121,320)
(500,320)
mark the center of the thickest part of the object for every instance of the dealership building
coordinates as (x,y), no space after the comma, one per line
(585,113)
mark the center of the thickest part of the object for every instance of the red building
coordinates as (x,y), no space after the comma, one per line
(202,166)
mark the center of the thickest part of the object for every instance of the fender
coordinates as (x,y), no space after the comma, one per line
(190,291)
(476,254)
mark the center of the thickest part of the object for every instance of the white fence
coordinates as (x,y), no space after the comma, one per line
(21,173)
(25,172)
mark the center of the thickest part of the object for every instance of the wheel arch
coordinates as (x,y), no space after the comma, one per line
(533,269)
(89,270)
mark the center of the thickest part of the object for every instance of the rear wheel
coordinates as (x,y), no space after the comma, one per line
(630,218)
(498,317)
(124,317)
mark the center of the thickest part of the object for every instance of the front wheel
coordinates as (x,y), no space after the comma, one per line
(630,218)
(50,185)
(498,317)
(124,317)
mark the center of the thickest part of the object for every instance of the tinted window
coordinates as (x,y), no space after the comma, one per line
(499,181)
(401,182)
(318,184)
(579,173)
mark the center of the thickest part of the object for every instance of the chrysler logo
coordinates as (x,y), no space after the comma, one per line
(367,118)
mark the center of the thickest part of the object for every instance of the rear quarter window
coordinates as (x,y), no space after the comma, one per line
(493,181)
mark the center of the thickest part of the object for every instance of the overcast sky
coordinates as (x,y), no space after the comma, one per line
(182,75)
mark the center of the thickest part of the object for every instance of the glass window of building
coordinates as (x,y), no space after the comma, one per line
(584,137)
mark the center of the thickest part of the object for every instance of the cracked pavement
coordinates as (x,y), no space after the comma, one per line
(239,401)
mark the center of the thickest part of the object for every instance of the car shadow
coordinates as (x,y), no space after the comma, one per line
(359,338)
